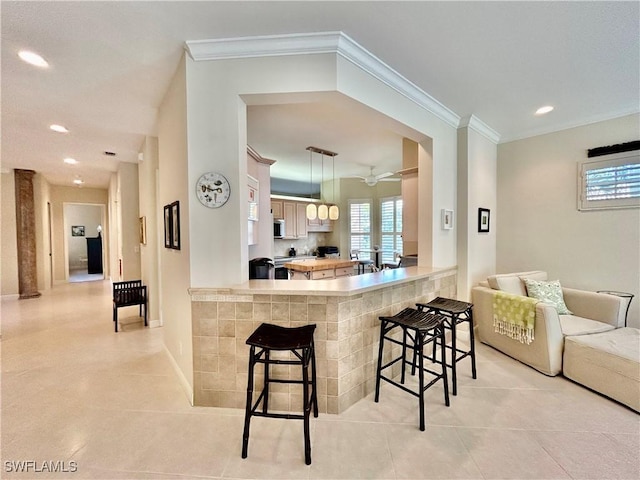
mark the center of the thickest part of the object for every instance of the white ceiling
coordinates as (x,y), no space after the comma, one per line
(111,63)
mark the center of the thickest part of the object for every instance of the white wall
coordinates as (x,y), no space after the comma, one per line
(147,179)
(42,199)
(175,305)
(128,201)
(540,227)
(477,159)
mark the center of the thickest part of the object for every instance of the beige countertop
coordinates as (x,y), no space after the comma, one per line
(342,286)
(314,265)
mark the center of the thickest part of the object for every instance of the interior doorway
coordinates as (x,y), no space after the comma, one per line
(84,243)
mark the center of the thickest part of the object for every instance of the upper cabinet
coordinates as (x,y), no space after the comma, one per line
(276,209)
(294,215)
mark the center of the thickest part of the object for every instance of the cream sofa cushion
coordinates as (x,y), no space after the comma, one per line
(574,325)
(512,282)
(608,363)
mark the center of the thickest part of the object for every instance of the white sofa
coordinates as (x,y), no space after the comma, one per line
(591,313)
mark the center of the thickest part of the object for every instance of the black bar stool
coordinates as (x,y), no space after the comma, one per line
(299,341)
(421,328)
(454,312)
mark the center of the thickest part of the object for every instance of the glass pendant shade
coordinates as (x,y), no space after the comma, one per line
(312,211)
(334,212)
(323,212)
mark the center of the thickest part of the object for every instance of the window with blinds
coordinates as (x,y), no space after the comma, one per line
(391,228)
(610,182)
(360,227)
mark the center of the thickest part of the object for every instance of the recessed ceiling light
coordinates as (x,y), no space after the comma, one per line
(77,181)
(33,58)
(543,110)
(70,161)
(58,128)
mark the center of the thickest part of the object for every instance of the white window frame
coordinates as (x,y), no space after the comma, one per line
(389,256)
(605,161)
(363,255)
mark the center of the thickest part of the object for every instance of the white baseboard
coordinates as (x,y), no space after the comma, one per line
(155,323)
(12,296)
(183,380)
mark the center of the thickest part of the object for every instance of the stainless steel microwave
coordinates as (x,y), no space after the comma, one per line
(278,229)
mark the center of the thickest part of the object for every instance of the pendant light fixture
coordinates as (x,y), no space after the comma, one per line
(323,211)
(334,211)
(312,211)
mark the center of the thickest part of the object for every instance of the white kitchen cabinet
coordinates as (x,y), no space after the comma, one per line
(276,209)
(295,220)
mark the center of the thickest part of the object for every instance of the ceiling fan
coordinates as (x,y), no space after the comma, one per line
(372,179)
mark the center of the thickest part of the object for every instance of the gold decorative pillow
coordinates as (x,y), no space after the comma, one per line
(547,292)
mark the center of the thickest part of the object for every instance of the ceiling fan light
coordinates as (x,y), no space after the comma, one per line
(312,211)
(323,212)
(334,212)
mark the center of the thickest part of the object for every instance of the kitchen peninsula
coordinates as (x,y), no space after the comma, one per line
(345,311)
(321,268)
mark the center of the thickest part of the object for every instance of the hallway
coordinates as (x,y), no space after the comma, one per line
(111,406)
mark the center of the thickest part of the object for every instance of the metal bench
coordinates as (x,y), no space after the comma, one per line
(127,294)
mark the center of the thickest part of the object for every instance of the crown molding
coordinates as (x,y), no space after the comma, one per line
(479,126)
(315,43)
(259,158)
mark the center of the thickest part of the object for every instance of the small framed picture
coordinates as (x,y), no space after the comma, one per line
(483,219)
(175,225)
(447,219)
(167,226)
(143,230)
(77,231)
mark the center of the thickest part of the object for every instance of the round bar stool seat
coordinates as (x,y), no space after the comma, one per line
(419,328)
(299,341)
(454,312)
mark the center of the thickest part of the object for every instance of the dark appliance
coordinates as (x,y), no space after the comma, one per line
(325,250)
(94,255)
(278,229)
(260,269)
(281,273)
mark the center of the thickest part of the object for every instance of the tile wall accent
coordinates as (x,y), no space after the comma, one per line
(346,339)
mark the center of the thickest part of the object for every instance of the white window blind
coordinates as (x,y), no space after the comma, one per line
(610,182)
(360,227)
(391,227)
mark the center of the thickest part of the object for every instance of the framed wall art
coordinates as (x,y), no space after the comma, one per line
(167,227)
(77,230)
(483,220)
(143,230)
(175,225)
(447,219)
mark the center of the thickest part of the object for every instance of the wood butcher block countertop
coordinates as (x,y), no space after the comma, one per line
(319,264)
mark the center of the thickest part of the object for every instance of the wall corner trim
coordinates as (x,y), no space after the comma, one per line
(184,383)
(315,43)
(479,126)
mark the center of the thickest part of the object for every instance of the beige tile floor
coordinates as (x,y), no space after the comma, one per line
(75,391)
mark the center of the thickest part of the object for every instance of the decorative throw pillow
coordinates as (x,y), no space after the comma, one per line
(547,292)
